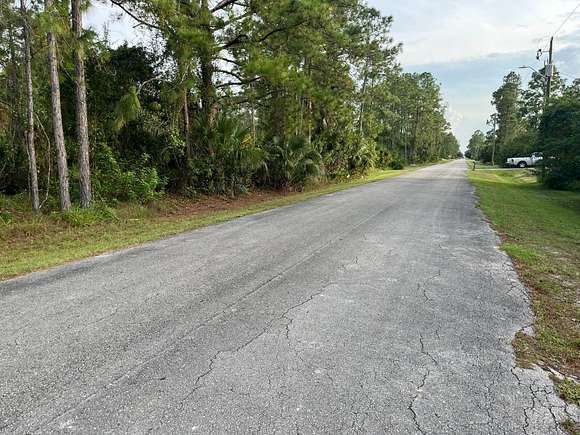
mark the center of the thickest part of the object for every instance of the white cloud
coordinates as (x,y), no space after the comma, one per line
(470,45)
(118,25)
(451,30)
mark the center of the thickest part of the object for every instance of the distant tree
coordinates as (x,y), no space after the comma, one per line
(522,144)
(449,146)
(559,135)
(476,145)
(572,92)
(533,98)
(506,103)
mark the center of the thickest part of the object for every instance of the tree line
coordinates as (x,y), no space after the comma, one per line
(526,120)
(218,98)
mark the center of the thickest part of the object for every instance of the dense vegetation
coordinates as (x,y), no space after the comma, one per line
(526,121)
(218,98)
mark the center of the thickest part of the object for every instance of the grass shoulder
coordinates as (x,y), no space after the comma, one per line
(540,230)
(34,242)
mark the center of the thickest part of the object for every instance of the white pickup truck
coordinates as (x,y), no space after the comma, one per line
(524,162)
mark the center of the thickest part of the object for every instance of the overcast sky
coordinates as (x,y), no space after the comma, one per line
(469,45)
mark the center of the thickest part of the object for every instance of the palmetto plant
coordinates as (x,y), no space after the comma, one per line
(363,156)
(293,162)
(235,158)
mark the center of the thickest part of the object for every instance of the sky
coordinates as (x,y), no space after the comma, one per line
(469,45)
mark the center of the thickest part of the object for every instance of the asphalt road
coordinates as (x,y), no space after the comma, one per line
(386,308)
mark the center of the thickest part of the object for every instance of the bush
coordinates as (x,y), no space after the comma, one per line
(363,156)
(293,162)
(561,176)
(384,156)
(5,217)
(235,160)
(138,182)
(397,164)
(346,152)
(559,135)
(78,217)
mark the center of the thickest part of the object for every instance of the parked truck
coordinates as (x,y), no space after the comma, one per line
(523,162)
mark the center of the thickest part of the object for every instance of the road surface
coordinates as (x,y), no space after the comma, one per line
(386,308)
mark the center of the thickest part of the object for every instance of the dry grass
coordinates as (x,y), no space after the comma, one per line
(29,243)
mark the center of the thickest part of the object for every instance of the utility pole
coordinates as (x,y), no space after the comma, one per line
(549,70)
(493,147)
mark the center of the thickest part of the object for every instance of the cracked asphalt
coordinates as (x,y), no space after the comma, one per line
(386,308)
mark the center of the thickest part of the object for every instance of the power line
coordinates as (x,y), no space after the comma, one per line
(567,18)
(560,27)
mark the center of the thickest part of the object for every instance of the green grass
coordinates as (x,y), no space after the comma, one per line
(29,243)
(481,165)
(541,232)
(569,391)
(571,427)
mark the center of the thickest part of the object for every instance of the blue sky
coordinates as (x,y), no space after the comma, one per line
(469,45)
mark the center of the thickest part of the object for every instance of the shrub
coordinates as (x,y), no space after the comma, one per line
(78,217)
(346,152)
(234,161)
(137,182)
(363,156)
(5,217)
(396,164)
(384,156)
(293,163)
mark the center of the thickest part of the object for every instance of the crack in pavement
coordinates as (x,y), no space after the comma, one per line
(237,349)
(537,401)
(423,286)
(424,350)
(414,399)
(422,384)
(135,369)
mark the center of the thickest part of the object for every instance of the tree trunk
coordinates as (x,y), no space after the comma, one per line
(81,107)
(29,112)
(208,90)
(310,121)
(363,92)
(187,132)
(57,119)
(414,142)
(13,91)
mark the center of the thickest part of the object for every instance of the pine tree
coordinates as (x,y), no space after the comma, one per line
(82,126)
(62,164)
(30,148)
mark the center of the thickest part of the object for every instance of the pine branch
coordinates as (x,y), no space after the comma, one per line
(119,3)
(222,5)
